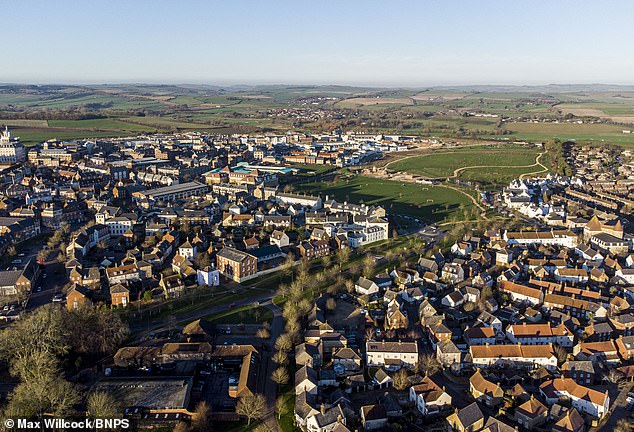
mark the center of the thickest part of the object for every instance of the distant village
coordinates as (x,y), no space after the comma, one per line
(508,329)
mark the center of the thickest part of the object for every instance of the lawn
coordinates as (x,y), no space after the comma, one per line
(243,315)
(430,203)
(440,165)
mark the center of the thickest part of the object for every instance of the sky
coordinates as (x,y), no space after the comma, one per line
(382,43)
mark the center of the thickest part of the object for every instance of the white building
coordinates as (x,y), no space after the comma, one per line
(209,276)
(391,353)
(584,399)
(11,149)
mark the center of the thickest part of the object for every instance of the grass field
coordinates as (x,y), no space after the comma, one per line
(430,203)
(100,124)
(571,131)
(441,165)
(243,315)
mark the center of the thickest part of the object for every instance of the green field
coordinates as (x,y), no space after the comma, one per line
(444,164)
(430,203)
(243,315)
(100,124)
(571,131)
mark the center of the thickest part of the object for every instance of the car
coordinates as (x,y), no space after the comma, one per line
(228,331)
(5,308)
(21,254)
(38,289)
(45,276)
(58,298)
(232,305)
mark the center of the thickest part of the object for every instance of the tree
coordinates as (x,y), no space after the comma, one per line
(349,285)
(263,333)
(284,342)
(614,377)
(102,405)
(368,266)
(95,330)
(326,261)
(11,251)
(622,426)
(252,407)
(202,260)
(343,255)
(281,407)
(486,293)
(561,353)
(201,420)
(280,357)
(280,376)
(401,381)
(427,364)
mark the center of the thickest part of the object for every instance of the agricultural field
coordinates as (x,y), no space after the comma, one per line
(587,132)
(490,165)
(429,203)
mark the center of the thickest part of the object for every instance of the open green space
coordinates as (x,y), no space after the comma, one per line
(597,132)
(429,203)
(100,124)
(250,314)
(445,164)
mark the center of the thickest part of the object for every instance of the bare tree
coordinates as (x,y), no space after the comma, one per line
(201,420)
(263,333)
(280,376)
(252,407)
(368,266)
(401,381)
(281,407)
(427,364)
(280,357)
(561,353)
(284,342)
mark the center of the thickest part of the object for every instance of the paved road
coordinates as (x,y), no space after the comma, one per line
(270,388)
(51,280)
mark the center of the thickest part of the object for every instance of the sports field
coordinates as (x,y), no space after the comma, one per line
(429,203)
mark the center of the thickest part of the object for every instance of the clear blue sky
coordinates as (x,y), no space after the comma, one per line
(397,43)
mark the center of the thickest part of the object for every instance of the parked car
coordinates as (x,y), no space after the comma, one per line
(58,298)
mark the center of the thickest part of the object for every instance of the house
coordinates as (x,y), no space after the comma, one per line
(521,293)
(452,273)
(467,419)
(571,421)
(485,391)
(395,318)
(77,297)
(14,282)
(448,354)
(382,379)
(326,419)
(584,399)
(531,414)
(279,238)
(373,417)
(596,351)
(480,335)
(453,299)
(208,276)
(172,285)
(306,380)
(236,265)
(348,358)
(539,334)
(391,354)
(429,397)
(123,274)
(366,287)
(307,354)
(582,371)
(119,295)
(625,347)
(523,356)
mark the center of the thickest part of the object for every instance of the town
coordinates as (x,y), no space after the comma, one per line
(209,291)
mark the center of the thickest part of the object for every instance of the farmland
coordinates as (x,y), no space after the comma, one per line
(429,203)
